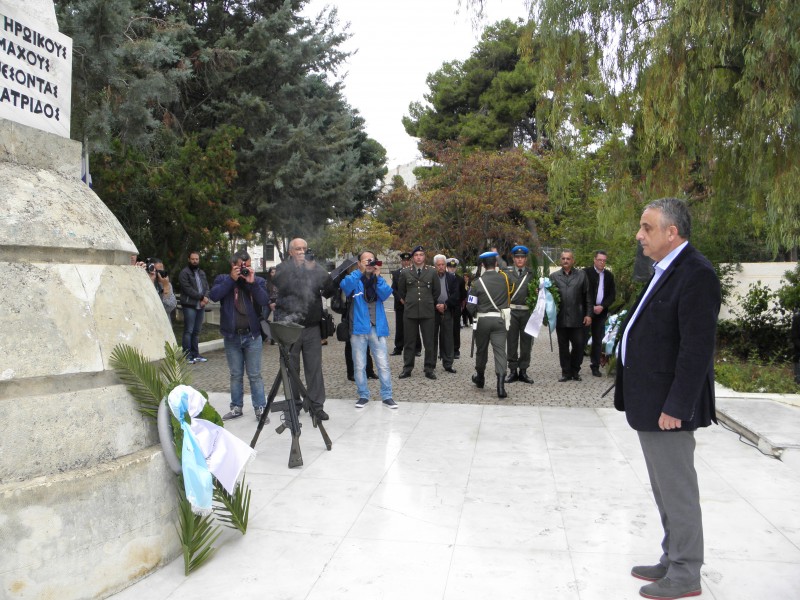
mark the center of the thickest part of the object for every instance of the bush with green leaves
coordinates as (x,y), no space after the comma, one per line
(759,330)
(789,294)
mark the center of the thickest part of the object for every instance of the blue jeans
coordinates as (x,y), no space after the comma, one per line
(244,352)
(380,356)
(192,324)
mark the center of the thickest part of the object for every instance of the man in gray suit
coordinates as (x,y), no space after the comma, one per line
(665,385)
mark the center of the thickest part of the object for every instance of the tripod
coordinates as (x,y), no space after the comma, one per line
(286,334)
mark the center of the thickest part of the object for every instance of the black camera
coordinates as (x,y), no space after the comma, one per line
(151,268)
(374,263)
(244,271)
(310,257)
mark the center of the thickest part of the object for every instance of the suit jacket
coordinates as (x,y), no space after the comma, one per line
(453,301)
(575,302)
(609,289)
(670,348)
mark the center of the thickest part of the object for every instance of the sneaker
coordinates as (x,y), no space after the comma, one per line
(200,359)
(362,402)
(236,412)
(259,410)
(190,361)
(389,403)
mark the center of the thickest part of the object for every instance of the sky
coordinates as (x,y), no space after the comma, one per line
(397,43)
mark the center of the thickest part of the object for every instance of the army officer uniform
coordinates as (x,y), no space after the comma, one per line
(491,327)
(419,290)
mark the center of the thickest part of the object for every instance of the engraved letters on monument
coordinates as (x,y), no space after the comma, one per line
(35,72)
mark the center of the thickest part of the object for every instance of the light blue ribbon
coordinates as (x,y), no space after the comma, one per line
(549,304)
(196,476)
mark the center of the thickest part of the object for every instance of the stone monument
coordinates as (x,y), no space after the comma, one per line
(87,502)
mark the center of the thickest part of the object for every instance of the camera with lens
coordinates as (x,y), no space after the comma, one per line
(374,263)
(244,271)
(310,257)
(150,266)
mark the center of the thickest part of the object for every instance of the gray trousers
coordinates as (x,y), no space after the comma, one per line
(669,456)
(490,329)
(310,344)
(518,339)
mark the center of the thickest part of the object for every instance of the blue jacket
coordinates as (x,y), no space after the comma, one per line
(223,292)
(360,323)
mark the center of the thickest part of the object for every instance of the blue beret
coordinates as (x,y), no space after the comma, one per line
(417,249)
(520,250)
(488,254)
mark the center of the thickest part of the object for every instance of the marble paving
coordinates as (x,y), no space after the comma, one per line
(463,502)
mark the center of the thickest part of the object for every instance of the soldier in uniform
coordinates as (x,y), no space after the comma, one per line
(419,289)
(488,295)
(519,343)
(405,262)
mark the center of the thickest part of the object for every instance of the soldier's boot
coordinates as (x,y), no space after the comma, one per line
(512,376)
(478,379)
(501,387)
(523,377)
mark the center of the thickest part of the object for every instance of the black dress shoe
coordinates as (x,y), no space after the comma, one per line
(523,377)
(404,375)
(565,378)
(418,353)
(396,352)
(576,377)
(512,376)
(596,372)
(321,415)
(478,380)
(351,378)
(450,369)
(457,354)
(371,376)
(430,374)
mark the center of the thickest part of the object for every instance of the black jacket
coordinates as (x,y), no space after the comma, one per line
(300,291)
(609,289)
(190,295)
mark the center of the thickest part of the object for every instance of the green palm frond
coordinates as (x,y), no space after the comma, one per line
(174,368)
(233,510)
(197,535)
(140,377)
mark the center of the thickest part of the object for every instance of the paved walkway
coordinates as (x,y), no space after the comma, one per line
(214,376)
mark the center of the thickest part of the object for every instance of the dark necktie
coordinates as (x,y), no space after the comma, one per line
(419,272)
(519,273)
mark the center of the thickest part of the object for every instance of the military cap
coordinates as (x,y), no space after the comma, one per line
(452,262)
(520,251)
(405,256)
(488,254)
(417,249)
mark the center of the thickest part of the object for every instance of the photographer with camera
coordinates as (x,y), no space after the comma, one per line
(301,284)
(242,297)
(160,278)
(368,325)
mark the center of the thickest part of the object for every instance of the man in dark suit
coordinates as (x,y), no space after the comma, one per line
(665,385)
(447,304)
(603,292)
(419,288)
(452,265)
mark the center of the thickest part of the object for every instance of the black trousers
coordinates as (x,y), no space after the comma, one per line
(412,330)
(443,337)
(570,349)
(597,330)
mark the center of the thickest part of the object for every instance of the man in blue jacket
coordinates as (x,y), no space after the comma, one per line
(368,326)
(242,297)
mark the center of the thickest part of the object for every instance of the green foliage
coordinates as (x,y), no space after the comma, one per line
(789,294)
(197,535)
(233,510)
(760,329)
(754,377)
(141,378)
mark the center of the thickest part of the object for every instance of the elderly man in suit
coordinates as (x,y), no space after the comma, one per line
(665,385)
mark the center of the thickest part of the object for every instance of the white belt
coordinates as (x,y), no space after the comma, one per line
(519,306)
(490,314)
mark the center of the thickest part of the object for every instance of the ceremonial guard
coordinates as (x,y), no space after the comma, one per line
(419,289)
(488,296)
(519,343)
